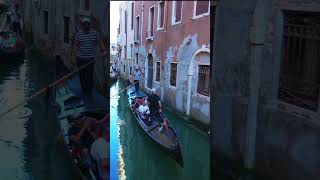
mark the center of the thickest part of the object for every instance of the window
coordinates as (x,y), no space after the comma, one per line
(124,68)
(132,12)
(87,5)
(125,22)
(131,51)
(137,31)
(204,80)
(160,14)
(213,16)
(300,68)
(176,12)
(150,24)
(66,33)
(201,8)
(130,71)
(125,52)
(45,23)
(158,72)
(137,60)
(173,74)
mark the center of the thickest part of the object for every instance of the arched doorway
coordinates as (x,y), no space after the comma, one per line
(200,57)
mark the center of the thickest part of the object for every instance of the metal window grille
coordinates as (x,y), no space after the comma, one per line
(158,72)
(204,80)
(300,69)
(173,74)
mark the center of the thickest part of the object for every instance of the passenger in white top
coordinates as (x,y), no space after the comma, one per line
(144,110)
(100,153)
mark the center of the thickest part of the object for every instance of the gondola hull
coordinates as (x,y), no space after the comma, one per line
(67,103)
(10,52)
(171,146)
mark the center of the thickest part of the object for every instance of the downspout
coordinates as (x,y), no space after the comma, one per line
(165,24)
(257,40)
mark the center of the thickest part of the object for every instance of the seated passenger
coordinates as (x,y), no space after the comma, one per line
(100,153)
(144,110)
(139,101)
(79,136)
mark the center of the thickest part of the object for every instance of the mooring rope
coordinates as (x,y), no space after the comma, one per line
(46,88)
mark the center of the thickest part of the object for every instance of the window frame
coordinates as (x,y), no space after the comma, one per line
(289,106)
(85,5)
(136,58)
(157,71)
(198,72)
(173,87)
(64,26)
(132,15)
(45,23)
(149,23)
(137,32)
(200,15)
(158,16)
(173,17)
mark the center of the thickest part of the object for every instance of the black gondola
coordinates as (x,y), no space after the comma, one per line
(12,52)
(166,138)
(68,101)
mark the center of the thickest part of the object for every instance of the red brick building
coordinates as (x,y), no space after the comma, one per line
(172,46)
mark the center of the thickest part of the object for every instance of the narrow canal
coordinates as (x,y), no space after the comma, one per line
(134,156)
(28,145)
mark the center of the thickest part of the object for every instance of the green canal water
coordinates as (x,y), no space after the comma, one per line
(135,157)
(28,148)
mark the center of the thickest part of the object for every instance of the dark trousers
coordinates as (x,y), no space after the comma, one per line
(17,28)
(136,85)
(86,75)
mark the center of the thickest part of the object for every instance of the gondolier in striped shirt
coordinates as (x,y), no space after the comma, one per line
(85,48)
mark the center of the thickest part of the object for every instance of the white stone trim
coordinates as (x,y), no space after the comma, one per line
(135,39)
(173,18)
(170,86)
(201,15)
(158,16)
(149,22)
(190,75)
(155,79)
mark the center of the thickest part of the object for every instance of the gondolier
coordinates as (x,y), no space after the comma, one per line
(85,48)
(155,106)
(137,77)
(15,18)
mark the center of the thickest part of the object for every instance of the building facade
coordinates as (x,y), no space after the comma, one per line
(172,47)
(266,86)
(125,37)
(50,26)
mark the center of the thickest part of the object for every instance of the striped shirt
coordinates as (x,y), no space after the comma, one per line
(86,44)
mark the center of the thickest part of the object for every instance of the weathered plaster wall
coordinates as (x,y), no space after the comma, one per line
(287,139)
(181,42)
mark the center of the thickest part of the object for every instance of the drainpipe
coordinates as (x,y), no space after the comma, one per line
(257,40)
(165,26)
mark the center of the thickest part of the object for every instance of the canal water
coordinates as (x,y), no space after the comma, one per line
(134,156)
(28,143)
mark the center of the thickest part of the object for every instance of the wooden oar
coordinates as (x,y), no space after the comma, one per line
(124,89)
(46,88)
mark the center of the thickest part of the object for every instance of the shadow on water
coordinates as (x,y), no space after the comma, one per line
(27,134)
(141,158)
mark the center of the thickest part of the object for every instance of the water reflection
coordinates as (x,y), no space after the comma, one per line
(142,158)
(27,134)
